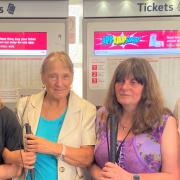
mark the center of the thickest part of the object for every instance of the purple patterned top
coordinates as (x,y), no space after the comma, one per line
(139,154)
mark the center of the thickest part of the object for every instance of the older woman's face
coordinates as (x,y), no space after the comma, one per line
(58,79)
(128,92)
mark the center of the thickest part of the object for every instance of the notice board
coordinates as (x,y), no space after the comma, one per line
(108,41)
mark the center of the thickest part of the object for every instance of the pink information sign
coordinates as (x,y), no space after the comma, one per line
(23,43)
(137,42)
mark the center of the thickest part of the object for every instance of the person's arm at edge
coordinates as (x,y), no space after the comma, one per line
(9,171)
(19,158)
(176,113)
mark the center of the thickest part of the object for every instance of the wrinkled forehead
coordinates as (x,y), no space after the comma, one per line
(54,62)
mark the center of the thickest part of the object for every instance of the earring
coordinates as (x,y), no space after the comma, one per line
(44,86)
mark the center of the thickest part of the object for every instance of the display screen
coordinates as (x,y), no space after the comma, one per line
(23,43)
(108,43)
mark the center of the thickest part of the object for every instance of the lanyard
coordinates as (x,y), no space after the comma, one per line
(120,146)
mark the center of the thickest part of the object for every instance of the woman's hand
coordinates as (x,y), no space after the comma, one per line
(95,171)
(114,172)
(28,159)
(20,158)
(16,170)
(8,171)
(38,144)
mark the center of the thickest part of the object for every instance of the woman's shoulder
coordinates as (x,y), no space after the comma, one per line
(32,96)
(6,113)
(168,119)
(159,128)
(102,109)
(101,125)
(101,117)
(77,100)
(167,116)
(5,110)
(35,99)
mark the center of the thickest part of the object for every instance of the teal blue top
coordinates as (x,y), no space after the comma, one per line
(46,165)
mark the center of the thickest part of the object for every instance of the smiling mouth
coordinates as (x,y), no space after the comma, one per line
(59,91)
(125,95)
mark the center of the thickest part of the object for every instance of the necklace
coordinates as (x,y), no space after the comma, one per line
(120,146)
(123,127)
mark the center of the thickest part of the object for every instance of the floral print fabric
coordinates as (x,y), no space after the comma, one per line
(139,154)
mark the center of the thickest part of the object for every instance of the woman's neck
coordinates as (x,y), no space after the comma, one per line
(53,108)
(126,120)
(49,101)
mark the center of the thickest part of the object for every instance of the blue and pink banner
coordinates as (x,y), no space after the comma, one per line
(137,42)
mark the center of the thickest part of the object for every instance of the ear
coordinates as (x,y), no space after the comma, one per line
(42,78)
(72,78)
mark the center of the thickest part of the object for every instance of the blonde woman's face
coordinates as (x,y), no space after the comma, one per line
(129,92)
(58,79)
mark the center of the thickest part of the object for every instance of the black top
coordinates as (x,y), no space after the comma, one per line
(10,131)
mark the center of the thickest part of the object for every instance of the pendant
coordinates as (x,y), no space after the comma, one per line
(124,128)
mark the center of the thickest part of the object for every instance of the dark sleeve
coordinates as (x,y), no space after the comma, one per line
(13,131)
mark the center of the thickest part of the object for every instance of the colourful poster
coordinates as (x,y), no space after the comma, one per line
(137,42)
